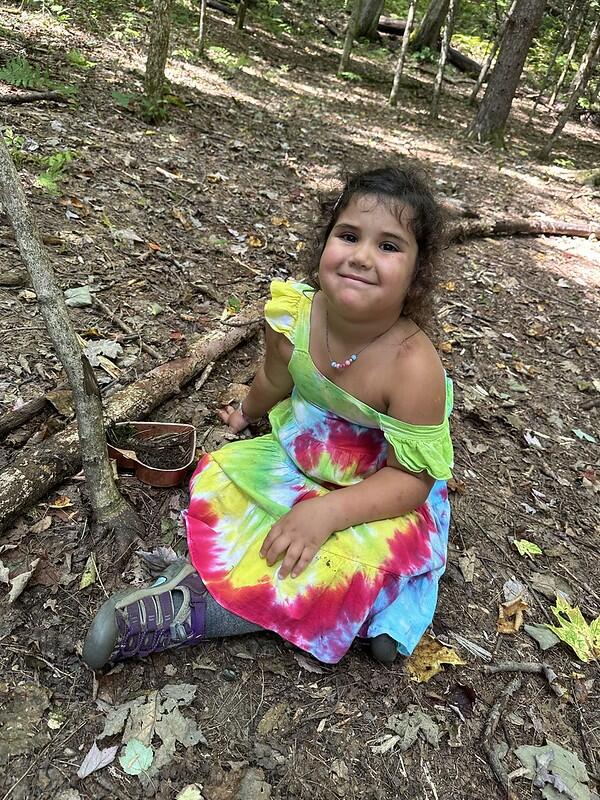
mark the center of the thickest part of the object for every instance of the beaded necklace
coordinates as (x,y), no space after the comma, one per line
(351,358)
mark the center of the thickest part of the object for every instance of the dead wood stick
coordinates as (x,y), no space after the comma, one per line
(476,229)
(14,419)
(31,97)
(126,329)
(41,468)
(488,734)
(531,667)
(589,404)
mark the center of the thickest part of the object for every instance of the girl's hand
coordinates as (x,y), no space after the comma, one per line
(299,534)
(234,418)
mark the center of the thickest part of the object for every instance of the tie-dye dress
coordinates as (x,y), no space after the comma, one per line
(377,577)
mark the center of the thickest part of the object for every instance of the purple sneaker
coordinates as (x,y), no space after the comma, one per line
(137,622)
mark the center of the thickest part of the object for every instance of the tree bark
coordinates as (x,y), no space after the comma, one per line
(492,114)
(39,469)
(202,27)
(241,15)
(109,507)
(446,36)
(574,41)
(428,32)
(14,419)
(368,19)
(461,230)
(158,49)
(350,34)
(402,57)
(571,16)
(485,67)
(586,68)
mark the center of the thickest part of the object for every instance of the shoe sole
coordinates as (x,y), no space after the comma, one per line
(102,636)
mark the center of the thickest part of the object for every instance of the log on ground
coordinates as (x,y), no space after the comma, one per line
(41,468)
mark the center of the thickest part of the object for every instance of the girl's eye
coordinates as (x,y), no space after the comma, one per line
(349,237)
(389,247)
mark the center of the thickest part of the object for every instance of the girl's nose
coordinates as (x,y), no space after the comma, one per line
(362,256)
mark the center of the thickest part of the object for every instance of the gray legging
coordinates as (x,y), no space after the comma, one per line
(220,622)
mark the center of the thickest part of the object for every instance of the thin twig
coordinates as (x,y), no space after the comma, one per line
(204,376)
(490,729)
(531,667)
(233,324)
(125,328)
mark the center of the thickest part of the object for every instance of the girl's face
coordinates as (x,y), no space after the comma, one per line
(369,259)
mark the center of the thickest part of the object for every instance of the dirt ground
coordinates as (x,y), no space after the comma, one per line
(169,225)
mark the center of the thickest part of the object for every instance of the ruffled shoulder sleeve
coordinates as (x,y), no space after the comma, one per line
(422,448)
(283,309)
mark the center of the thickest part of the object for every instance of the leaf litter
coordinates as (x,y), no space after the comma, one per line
(155,714)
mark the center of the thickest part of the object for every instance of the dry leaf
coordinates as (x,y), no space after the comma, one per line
(510,615)
(42,525)
(428,657)
(19,582)
(62,501)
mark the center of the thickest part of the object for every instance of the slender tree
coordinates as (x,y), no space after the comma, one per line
(111,512)
(401,59)
(492,114)
(202,27)
(584,73)
(158,49)
(573,42)
(368,19)
(428,32)
(350,34)
(241,15)
(485,67)
(571,17)
(446,37)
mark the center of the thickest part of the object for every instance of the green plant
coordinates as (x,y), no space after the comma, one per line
(19,72)
(60,12)
(153,111)
(77,59)
(425,55)
(55,170)
(350,76)
(15,143)
(226,60)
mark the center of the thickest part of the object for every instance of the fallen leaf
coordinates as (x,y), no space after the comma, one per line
(19,582)
(527,548)
(42,525)
(542,635)
(61,502)
(97,348)
(411,724)
(574,631)
(136,757)
(4,573)
(62,400)
(78,297)
(466,564)
(90,572)
(463,697)
(191,792)
(428,657)
(551,585)
(558,772)
(456,485)
(96,759)
(155,309)
(583,435)
(255,241)
(308,664)
(510,615)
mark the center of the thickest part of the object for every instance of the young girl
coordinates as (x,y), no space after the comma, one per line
(335,525)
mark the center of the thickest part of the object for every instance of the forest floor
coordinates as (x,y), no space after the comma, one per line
(170,225)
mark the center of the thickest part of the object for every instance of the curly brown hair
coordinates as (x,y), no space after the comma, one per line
(398,187)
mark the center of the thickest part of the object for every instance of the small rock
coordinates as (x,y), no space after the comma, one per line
(253,786)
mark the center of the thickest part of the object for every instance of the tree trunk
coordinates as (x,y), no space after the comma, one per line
(402,57)
(428,32)
(41,468)
(584,73)
(571,16)
(368,19)
(485,67)
(241,15)
(202,27)
(492,114)
(446,36)
(110,509)
(574,41)
(348,41)
(158,49)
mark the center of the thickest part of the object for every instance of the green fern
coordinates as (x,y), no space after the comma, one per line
(54,172)
(19,72)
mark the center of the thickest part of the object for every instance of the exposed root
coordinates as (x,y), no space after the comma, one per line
(531,667)
(487,742)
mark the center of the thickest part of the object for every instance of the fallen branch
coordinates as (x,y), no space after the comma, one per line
(531,667)
(39,469)
(476,229)
(31,97)
(488,734)
(125,328)
(14,419)
(589,404)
